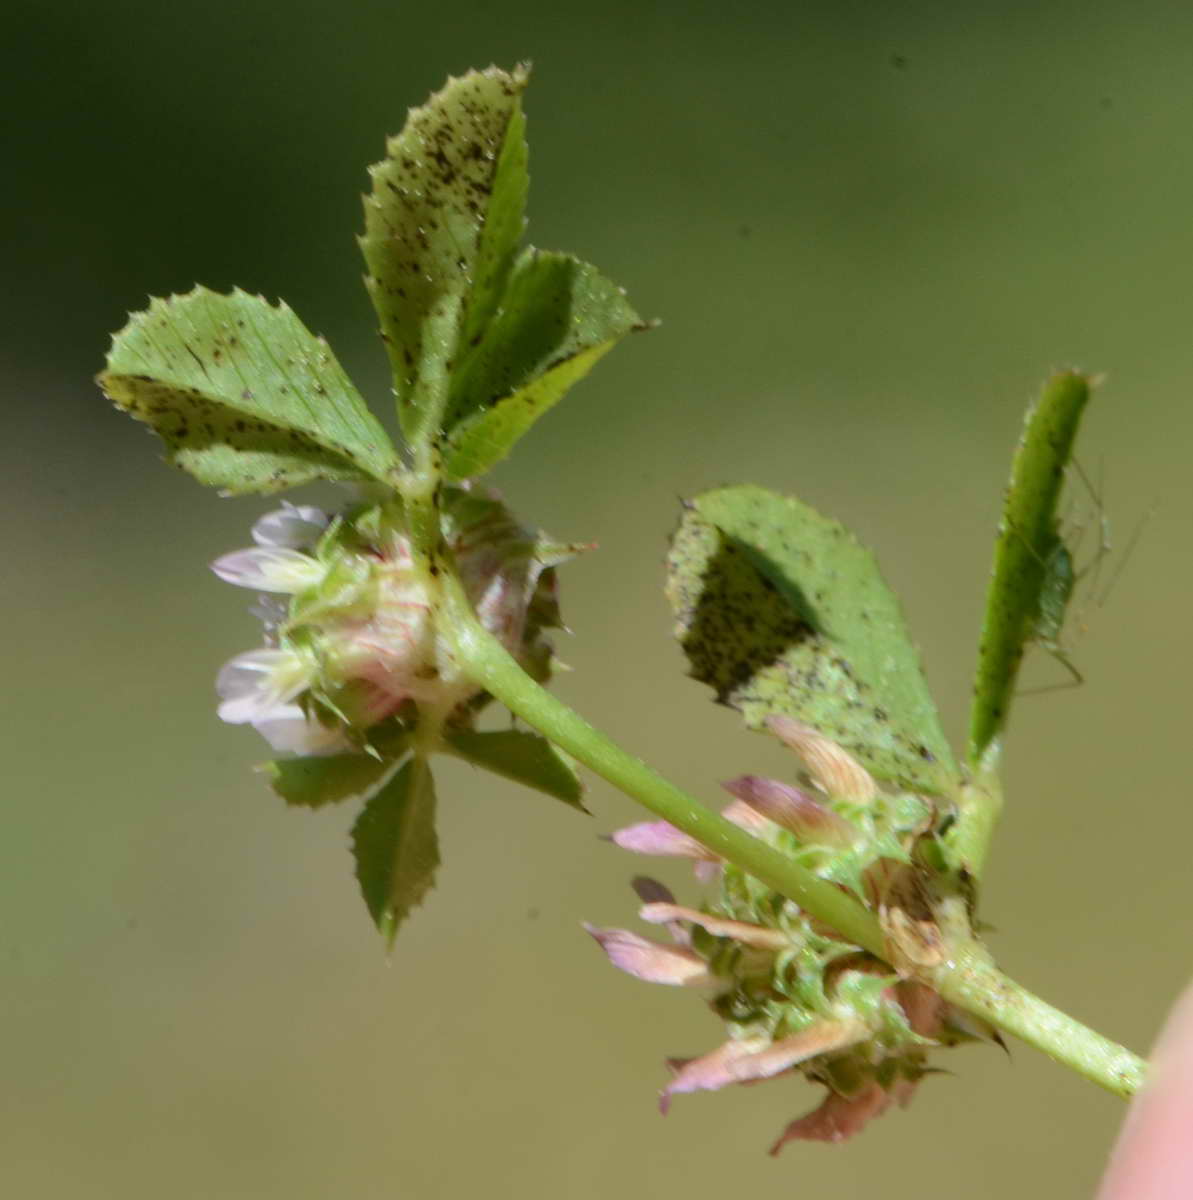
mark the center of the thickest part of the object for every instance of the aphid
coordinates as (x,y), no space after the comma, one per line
(1056,593)
(1061,577)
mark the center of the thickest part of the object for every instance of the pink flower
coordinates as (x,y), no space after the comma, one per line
(650,961)
(858,1028)
(661,838)
(748,1059)
(793,810)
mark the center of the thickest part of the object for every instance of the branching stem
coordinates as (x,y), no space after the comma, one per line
(966,978)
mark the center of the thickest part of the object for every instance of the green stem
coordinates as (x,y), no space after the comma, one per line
(979,803)
(967,978)
(488,662)
(970,980)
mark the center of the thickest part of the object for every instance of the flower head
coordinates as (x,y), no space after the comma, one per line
(350,619)
(795,997)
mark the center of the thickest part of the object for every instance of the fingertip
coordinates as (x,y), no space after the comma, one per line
(1153,1157)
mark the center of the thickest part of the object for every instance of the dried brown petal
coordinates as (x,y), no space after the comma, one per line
(835,770)
(741,931)
(743,1060)
(837,1118)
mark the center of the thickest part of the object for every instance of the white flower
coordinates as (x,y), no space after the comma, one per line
(361,637)
(289,729)
(291,527)
(270,569)
(255,686)
(272,612)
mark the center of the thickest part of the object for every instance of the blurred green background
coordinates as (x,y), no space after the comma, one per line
(870,229)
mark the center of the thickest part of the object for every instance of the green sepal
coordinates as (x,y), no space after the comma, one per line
(906,812)
(551,553)
(869,997)
(866,995)
(442,224)
(524,758)
(1033,574)
(396,847)
(847,868)
(558,317)
(244,397)
(347,586)
(782,611)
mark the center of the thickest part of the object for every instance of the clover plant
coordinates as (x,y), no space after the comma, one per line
(834,919)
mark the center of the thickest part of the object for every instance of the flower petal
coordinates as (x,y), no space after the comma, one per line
(793,810)
(289,729)
(651,961)
(742,1060)
(923,1007)
(750,819)
(254,685)
(293,526)
(662,838)
(706,872)
(830,765)
(271,611)
(660,913)
(651,891)
(269,569)
(837,1118)
(711,1071)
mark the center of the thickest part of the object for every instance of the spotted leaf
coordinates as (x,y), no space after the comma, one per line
(783,613)
(559,316)
(442,224)
(244,397)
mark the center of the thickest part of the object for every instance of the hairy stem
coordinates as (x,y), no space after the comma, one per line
(491,665)
(979,804)
(970,980)
(966,978)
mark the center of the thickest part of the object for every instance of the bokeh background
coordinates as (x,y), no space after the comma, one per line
(869,229)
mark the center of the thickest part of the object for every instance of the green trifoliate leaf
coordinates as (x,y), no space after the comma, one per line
(1033,570)
(396,848)
(524,758)
(558,317)
(316,780)
(441,227)
(243,395)
(781,611)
